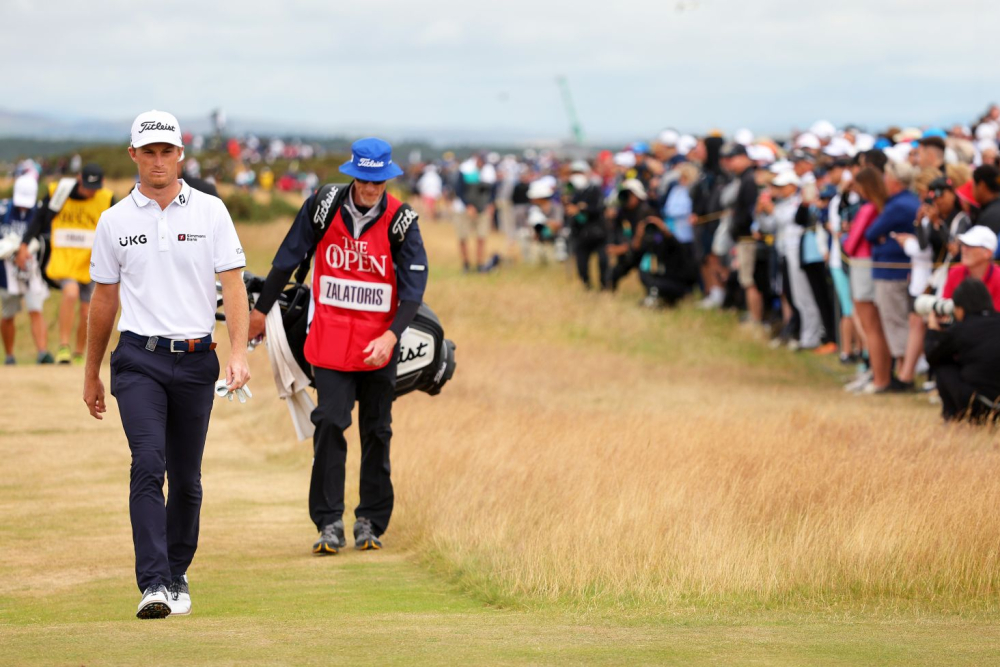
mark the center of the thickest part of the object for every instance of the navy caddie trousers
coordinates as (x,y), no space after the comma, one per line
(337,392)
(165,400)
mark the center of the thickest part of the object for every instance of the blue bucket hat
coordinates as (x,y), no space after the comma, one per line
(371,160)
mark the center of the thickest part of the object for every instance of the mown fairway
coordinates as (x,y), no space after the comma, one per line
(599,484)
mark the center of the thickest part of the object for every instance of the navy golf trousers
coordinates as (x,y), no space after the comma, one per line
(337,391)
(165,400)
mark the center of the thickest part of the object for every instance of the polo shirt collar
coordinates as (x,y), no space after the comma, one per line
(182,198)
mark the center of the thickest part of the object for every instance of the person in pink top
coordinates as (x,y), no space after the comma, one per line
(871,187)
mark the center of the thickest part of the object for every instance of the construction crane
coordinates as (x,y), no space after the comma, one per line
(574,123)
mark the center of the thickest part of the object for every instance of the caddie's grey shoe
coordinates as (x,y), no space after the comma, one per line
(331,539)
(364,538)
(179,596)
(154,603)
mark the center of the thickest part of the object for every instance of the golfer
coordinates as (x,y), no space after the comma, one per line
(159,251)
(369,277)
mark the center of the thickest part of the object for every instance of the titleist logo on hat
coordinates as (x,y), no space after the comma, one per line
(155,125)
(368,162)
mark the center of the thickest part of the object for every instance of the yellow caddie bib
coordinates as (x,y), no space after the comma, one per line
(73,235)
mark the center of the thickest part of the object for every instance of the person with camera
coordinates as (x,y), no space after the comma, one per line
(666,269)
(542,237)
(947,221)
(978,245)
(633,210)
(965,357)
(584,207)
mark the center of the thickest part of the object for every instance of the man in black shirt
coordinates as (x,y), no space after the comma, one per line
(638,232)
(632,212)
(519,198)
(987,191)
(585,221)
(965,357)
(741,228)
(671,267)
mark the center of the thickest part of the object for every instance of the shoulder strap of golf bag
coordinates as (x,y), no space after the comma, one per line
(327,202)
(405,216)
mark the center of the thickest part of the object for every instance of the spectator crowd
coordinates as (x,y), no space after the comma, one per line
(877,247)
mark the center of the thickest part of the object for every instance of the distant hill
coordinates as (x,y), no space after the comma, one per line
(24,125)
(15,148)
(37,126)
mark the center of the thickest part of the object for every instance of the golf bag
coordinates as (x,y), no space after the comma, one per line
(426,358)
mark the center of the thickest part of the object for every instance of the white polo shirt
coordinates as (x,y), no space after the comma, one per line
(166,261)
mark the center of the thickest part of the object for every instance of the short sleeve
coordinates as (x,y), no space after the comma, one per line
(227,252)
(104,265)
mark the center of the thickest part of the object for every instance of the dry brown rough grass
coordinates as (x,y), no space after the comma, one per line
(592,451)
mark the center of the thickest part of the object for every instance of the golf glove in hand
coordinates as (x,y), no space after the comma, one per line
(222,391)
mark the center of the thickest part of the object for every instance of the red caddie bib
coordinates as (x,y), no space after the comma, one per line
(354,293)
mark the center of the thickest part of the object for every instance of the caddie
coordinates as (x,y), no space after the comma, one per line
(369,276)
(159,251)
(72,208)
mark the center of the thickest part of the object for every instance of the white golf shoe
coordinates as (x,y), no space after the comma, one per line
(154,603)
(178,596)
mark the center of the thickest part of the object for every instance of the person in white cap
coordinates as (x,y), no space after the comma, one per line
(545,223)
(786,187)
(71,210)
(808,141)
(585,222)
(17,284)
(160,251)
(665,147)
(632,213)
(978,245)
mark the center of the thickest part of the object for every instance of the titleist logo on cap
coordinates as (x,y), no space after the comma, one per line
(368,162)
(155,125)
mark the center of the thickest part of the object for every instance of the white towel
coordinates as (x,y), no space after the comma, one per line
(288,377)
(59,197)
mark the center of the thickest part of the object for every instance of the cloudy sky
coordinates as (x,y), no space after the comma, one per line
(634,67)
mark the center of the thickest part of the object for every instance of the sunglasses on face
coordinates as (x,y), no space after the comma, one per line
(364,182)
